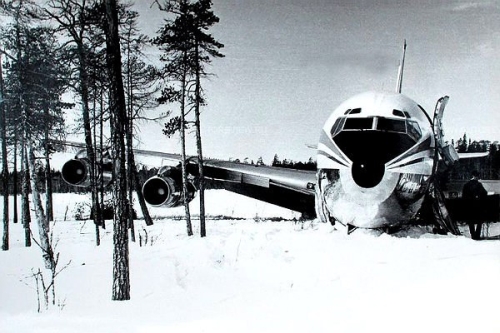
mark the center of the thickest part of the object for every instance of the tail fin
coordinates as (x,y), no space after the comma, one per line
(401,69)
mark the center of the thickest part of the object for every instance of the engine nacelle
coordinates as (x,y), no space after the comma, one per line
(76,172)
(166,189)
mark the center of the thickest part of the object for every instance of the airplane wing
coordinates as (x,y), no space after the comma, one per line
(288,188)
(472,155)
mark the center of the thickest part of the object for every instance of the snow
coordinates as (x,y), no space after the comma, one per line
(254,275)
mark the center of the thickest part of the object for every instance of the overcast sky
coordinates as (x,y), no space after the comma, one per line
(289,64)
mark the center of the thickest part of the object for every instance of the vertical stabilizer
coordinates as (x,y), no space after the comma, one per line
(401,69)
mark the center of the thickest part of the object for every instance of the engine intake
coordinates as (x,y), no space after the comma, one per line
(76,172)
(166,189)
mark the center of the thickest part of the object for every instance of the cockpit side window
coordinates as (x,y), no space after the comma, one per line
(414,130)
(337,127)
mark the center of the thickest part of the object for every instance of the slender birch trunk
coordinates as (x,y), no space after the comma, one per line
(48,175)
(183,151)
(5,166)
(25,204)
(41,218)
(201,181)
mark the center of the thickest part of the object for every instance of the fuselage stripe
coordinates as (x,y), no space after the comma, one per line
(422,146)
(320,152)
(326,140)
(418,160)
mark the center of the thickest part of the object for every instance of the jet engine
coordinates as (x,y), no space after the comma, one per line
(77,172)
(165,189)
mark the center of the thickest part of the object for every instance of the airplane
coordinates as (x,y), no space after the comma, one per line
(377,161)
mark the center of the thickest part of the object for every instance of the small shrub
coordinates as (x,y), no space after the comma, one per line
(108,211)
(81,211)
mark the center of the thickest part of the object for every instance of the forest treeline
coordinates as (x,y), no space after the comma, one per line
(488,166)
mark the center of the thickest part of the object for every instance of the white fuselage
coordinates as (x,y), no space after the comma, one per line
(375,157)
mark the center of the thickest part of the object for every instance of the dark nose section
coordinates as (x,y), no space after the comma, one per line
(367,174)
(156,191)
(74,172)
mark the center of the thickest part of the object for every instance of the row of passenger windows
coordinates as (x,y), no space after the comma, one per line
(407,126)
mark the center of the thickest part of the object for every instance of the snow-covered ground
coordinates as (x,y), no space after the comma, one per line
(254,275)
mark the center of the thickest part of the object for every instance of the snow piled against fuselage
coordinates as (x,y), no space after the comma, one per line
(254,275)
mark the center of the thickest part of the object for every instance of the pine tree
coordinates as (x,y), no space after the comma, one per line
(276,160)
(205,48)
(192,47)
(121,270)
(140,82)
(173,40)
(76,20)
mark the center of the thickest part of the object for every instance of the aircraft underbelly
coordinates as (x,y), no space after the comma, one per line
(395,200)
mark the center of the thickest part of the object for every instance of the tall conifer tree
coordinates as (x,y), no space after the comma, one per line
(189,47)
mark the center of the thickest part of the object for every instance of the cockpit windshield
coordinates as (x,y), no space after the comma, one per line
(380,124)
(391,125)
(358,124)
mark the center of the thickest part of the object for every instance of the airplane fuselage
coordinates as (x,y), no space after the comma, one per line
(376,155)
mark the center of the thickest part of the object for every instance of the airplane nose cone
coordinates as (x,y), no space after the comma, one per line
(367,174)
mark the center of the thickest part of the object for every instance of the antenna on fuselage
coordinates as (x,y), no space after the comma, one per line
(401,68)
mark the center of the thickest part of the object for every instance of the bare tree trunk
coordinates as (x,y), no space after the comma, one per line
(41,219)
(140,197)
(25,204)
(101,147)
(130,186)
(84,91)
(183,152)
(94,119)
(203,231)
(5,166)
(121,270)
(15,189)
(132,168)
(48,175)
(130,175)
(130,152)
